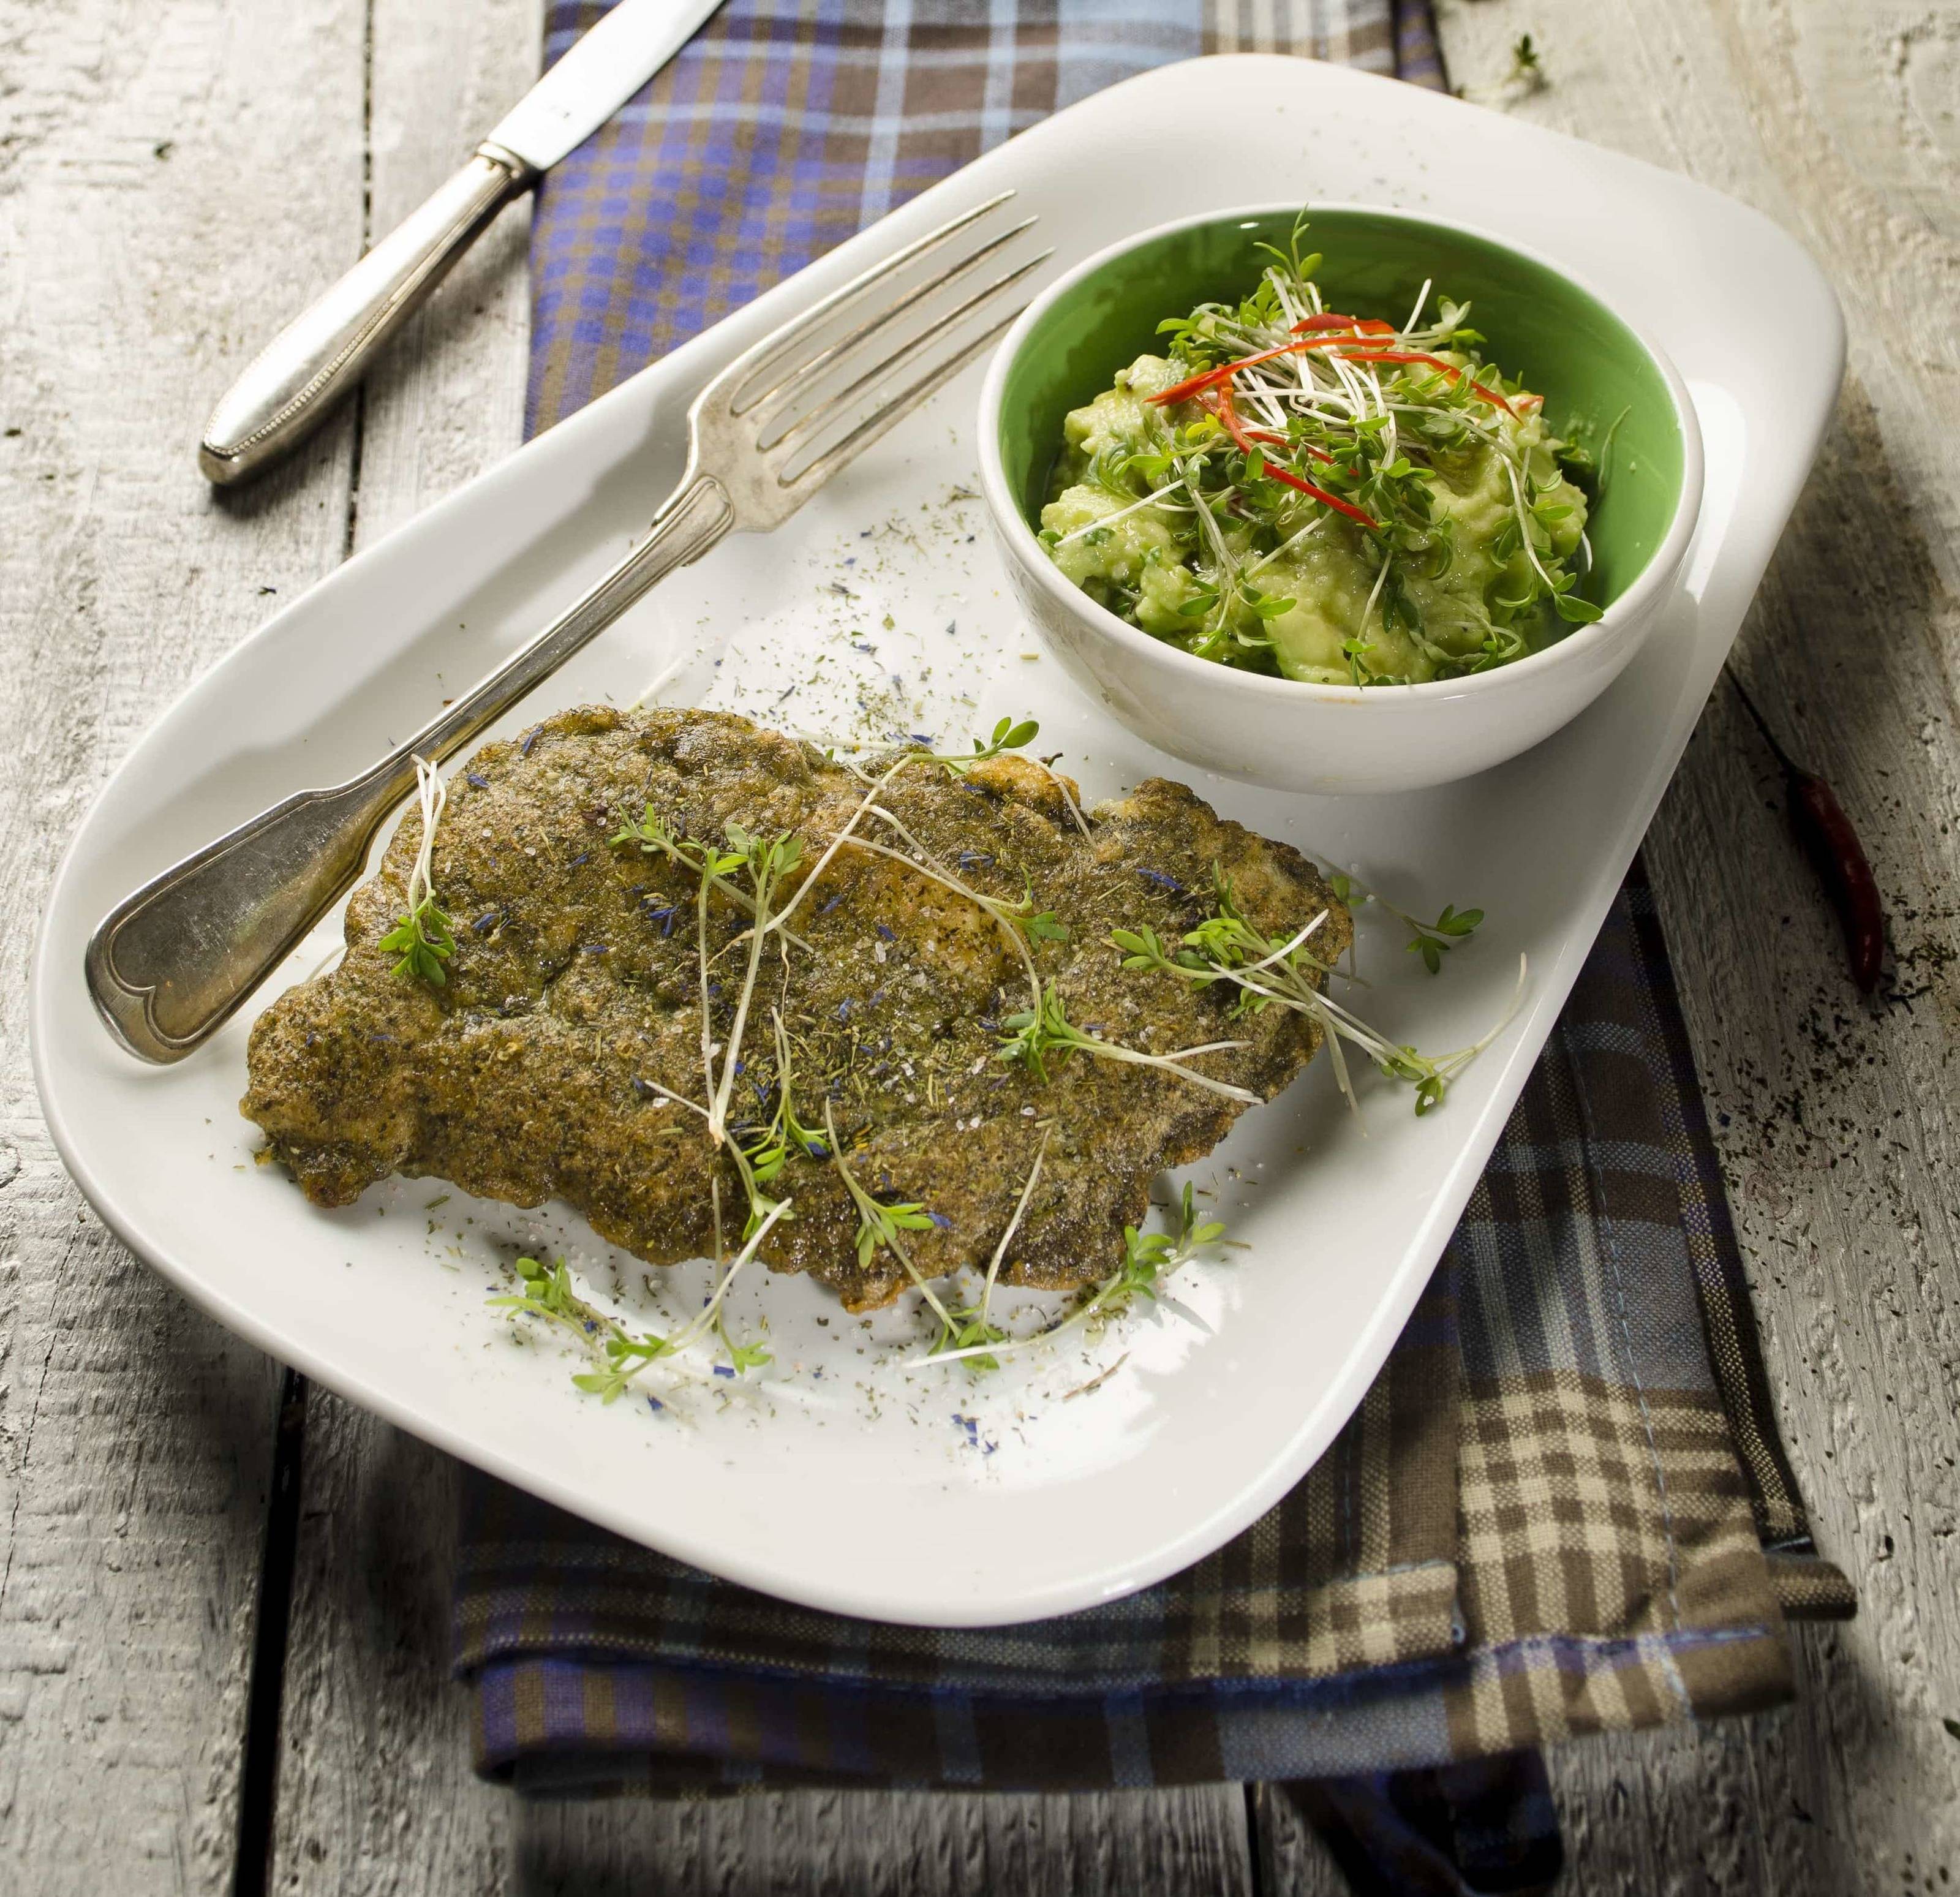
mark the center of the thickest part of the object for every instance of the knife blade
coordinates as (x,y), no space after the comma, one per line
(598,74)
(320,355)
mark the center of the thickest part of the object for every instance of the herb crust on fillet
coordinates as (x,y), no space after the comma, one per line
(544,1063)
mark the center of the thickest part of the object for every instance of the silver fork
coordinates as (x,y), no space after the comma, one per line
(170,963)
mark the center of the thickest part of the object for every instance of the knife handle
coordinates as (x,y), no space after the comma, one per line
(325,349)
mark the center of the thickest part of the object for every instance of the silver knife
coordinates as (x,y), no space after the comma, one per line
(324,351)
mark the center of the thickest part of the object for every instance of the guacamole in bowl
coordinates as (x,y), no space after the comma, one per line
(1329,496)
(1321,578)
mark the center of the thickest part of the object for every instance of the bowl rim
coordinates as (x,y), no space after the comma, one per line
(1657,575)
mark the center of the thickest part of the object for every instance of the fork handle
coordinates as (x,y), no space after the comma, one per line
(168,966)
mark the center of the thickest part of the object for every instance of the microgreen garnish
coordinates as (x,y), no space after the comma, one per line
(969,1331)
(1009,735)
(1276,422)
(423,942)
(761,1153)
(713,1313)
(759,1156)
(1038,925)
(768,860)
(1044,1032)
(967,1334)
(1227,947)
(1431,941)
(422,938)
(880,1225)
(1604,473)
(800,1134)
(548,1294)
(656,837)
(1148,1257)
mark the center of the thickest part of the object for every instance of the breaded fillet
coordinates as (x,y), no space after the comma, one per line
(572,1005)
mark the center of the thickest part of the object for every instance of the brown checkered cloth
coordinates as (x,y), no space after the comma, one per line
(1562,1508)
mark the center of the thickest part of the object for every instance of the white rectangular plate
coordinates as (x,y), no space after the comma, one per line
(839,1477)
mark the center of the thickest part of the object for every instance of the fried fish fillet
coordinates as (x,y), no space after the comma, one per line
(542,1066)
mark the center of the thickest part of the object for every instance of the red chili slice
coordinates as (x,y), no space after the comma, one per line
(1435,362)
(1227,413)
(1362,326)
(1349,330)
(1321,494)
(1222,406)
(1835,852)
(1209,378)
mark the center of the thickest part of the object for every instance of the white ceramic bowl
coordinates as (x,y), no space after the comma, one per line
(1327,739)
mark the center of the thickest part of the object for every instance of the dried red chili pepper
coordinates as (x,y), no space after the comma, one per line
(1831,842)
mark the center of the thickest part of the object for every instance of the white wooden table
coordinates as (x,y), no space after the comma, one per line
(175,177)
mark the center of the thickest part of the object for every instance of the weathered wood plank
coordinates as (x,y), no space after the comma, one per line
(375,1793)
(894,1845)
(1292,1860)
(447,400)
(134,1434)
(1836,1121)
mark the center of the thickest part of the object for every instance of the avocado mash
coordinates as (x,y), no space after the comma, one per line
(1333,498)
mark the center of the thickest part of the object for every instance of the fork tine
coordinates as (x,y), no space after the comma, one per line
(831,406)
(805,373)
(881,421)
(767,354)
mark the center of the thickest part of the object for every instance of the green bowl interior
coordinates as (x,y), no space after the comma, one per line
(1590,367)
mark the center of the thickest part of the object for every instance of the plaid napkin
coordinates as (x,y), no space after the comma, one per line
(1561,1509)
